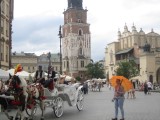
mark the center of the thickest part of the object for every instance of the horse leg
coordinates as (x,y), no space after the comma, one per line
(4,102)
(20,113)
(7,115)
(42,109)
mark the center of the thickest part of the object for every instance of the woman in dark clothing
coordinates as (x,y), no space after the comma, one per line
(145,88)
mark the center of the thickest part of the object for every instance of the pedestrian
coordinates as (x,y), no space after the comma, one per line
(149,84)
(145,86)
(118,99)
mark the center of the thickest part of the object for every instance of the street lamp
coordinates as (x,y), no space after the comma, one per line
(49,58)
(0,32)
(60,37)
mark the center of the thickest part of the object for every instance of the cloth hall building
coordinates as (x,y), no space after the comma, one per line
(143,48)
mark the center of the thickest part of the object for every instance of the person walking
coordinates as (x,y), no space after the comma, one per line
(118,99)
(149,84)
(145,88)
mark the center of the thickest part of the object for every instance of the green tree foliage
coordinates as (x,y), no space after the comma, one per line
(95,70)
(78,78)
(127,69)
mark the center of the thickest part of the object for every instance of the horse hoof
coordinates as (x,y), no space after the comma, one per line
(11,118)
(17,118)
(42,118)
(26,118)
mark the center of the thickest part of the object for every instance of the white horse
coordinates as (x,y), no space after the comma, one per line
(36,97)
(18,88)
(5,99)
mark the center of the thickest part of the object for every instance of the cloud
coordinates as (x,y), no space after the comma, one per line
(36,23)
(34,34)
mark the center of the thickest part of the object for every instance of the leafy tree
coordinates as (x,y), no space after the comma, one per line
(78,78)
(95,70)
(127,69)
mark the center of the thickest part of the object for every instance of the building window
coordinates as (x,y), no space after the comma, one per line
(7,29)
(64,64)
(2,25)
(2,7)
(82,64)
(67,64)
(2,51)
(7,10)
(7,53)
(56,68)
(80,51)
(111,56)
(80,32)
(79,21)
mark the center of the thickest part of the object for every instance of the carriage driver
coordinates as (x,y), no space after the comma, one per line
(39,76)
(51,77)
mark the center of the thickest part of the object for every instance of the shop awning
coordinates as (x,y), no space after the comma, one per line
(124,51)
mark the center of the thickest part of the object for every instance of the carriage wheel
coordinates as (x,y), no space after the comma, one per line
(31,111)
(58,108)
(80,100)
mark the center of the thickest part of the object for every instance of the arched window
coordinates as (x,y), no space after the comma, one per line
(111,56)
(80,51)
(151,78)
(80,32)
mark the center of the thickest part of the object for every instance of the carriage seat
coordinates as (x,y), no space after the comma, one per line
(49,84)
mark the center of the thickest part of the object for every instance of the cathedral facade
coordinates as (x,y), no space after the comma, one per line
(76,40)
(143,48)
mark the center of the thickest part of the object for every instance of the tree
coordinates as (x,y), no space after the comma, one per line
(78,78)
(95,70)
(127,69)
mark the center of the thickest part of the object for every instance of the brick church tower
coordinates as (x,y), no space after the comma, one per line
(76,40)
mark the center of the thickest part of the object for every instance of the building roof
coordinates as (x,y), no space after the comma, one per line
(124,51)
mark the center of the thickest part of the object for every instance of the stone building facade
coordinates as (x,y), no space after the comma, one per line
(76,40)
(143,48)
(30,61)
(53,61)
(6,17)
(27,60)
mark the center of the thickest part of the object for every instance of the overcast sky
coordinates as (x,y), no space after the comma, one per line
(36,22)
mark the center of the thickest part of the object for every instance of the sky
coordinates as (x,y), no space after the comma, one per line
(36,23)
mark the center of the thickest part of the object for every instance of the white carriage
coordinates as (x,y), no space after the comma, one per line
(55,99)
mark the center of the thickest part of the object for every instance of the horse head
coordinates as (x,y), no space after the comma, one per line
(15,82)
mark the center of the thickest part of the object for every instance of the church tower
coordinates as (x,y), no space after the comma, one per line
(76,40)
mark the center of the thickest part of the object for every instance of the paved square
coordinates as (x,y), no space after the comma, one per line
(98,106)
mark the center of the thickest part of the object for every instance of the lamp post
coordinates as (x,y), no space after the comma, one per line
(60,37)
(49,58)
(0,33)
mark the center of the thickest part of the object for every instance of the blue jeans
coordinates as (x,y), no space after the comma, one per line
(119,103)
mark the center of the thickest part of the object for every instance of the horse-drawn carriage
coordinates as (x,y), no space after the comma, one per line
(54,98)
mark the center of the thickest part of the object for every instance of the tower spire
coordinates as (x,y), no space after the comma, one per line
(75,4)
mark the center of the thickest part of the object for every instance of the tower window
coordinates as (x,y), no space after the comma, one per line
(79,21)
(80,32)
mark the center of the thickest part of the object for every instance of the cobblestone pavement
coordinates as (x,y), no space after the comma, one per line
(98,106)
